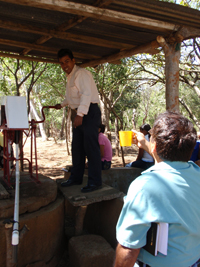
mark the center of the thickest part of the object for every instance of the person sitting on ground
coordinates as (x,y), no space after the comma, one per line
(167,192)
(144,160)
(105,148)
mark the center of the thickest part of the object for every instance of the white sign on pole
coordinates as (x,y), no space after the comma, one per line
(16,112)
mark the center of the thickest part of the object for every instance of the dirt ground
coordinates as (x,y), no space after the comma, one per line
(52,157)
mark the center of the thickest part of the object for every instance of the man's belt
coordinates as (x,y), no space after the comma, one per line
(90,104)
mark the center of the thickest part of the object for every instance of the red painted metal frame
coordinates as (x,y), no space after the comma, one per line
(9,135)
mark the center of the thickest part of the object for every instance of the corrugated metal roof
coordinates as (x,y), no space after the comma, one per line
(93,30)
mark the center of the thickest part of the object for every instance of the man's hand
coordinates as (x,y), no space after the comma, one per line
(140,141)
(58,106)
(78,121)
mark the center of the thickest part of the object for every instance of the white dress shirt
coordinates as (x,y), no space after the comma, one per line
(81,91)
(146,156)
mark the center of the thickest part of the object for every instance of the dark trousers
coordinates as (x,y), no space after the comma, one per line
(105,165)
(85,143)
(140,164)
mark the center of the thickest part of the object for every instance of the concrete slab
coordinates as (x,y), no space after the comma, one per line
(121,177)
(118,177)
(76,198)
(81,201)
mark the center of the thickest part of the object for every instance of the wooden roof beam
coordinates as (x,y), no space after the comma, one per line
(37,59)
(62,35)
(146,48)
(27,45)
(185,33)
(68,25)
(41,48)
(97,13)
(182,34)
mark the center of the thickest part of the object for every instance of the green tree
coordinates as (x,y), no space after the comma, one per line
(118,92)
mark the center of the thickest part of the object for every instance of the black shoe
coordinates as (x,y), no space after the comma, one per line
(90,188)
(70,183)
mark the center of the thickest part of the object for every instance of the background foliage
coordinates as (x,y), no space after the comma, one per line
(133,91)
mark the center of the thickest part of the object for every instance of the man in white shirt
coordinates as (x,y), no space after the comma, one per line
(82,97)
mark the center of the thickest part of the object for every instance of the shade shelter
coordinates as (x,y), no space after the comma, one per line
(98,31)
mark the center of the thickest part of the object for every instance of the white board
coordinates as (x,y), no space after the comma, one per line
(16,112)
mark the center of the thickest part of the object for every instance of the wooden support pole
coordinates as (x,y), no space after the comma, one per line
(172,56)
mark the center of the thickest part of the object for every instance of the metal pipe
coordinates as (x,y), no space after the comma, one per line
(15,233)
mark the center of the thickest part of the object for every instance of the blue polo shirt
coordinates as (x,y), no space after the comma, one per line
(166,192)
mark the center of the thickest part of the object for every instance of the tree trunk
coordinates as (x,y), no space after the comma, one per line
(189,112)
(63,124)
(41,125)
(172,56)
(105,114)
(54,131)
(133,119)
(68,130)
(116,137)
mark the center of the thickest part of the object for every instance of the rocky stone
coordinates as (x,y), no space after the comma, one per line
(41,209)
(33,196)
(90,251)
(43,242)
(37,264)
(3,193)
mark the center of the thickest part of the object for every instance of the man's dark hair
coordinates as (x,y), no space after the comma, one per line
(175,137)
(65,52)
(102,128)
(145,127)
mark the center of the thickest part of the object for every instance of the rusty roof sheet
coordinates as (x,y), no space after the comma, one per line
(95,30)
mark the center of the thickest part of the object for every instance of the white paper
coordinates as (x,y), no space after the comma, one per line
(162,238)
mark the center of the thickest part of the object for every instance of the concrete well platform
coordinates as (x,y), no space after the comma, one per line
(117,177)
(41,209)
(96,212)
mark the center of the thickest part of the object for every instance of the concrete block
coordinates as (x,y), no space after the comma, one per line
(118,177)
(90,250)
